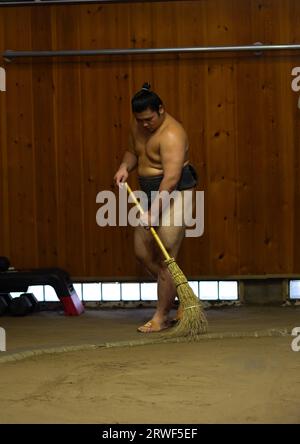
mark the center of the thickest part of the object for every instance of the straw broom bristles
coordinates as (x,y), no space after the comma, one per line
(193,321)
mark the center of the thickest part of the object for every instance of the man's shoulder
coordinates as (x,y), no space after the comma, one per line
(173,127)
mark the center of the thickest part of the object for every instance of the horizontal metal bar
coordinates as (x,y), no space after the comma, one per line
(62,2)
(10,54)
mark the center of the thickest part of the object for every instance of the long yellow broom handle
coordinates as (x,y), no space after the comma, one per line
(155,235)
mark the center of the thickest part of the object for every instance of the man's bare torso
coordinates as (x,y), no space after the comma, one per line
(147,145)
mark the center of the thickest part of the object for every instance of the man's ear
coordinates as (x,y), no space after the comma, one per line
(161,110)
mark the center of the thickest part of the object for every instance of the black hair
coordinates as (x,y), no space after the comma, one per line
(145,99)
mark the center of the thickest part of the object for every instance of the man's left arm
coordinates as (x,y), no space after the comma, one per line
(172,154)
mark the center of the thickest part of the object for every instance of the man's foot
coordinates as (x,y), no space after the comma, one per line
(153,327)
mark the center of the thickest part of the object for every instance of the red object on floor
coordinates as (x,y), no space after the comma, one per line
(72,304)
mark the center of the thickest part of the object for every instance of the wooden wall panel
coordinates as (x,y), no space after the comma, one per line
(3,162)
(4,205)
(46,193)
(69,153)
(64,126)
(294,14)
(20,145)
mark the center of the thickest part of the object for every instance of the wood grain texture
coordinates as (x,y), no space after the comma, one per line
(64,126)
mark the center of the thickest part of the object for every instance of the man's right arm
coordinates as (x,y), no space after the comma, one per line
(129,161)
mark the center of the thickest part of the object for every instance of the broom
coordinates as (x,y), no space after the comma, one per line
(193,321)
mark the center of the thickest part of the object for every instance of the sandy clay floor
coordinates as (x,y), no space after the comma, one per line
(229,380)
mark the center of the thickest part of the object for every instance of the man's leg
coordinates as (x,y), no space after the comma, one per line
(172,238)
(150,255)
(147,253)
(145,250)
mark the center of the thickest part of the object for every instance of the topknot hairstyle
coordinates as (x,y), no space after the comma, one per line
(144,99)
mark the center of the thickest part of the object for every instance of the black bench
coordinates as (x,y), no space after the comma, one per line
(20,280)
